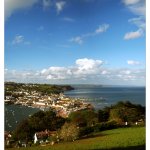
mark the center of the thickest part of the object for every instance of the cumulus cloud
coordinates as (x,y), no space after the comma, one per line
(125,72)
(60,6)
(55,73)
(105,72)
(13,5)
(88,66)
(84,70)
(132,74)
(133,35)
(22,76)
(80,39)
(133,62)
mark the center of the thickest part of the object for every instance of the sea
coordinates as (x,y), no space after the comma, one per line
(98,95)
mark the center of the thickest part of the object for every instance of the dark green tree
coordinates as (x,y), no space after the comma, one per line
(84,118)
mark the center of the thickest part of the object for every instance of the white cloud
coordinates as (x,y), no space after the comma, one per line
(104,72)
(84,70)
(22,76)
(60,6)
(56,73)
(130,2)
(88,65)
(13,5)
(83,67)
(102,28)
(139,22)
(44,71)
(46,4)
(125,72)
(138,10)
(137,7)
(133,62)
(80,39)
(133,35)
(18,39)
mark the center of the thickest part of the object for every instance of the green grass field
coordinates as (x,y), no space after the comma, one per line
(116,139)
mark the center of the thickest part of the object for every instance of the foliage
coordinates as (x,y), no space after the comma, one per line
(103,115)
(122,138)
(85,131)
(40,121)
(87,121)
(43,89)
(23,131)
(84,118)
(105,126)
(69,132)
(126,112)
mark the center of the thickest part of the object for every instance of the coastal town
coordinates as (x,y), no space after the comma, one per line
(63,118)
(61,104)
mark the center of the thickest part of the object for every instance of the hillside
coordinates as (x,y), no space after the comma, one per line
(122,138)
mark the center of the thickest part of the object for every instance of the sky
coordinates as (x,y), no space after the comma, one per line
(75,41)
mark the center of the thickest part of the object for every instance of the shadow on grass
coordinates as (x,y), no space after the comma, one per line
(95,135)
(141,147)
(91,136)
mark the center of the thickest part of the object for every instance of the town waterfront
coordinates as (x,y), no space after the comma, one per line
(99,96)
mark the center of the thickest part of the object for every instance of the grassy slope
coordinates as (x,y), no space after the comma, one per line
(123,138)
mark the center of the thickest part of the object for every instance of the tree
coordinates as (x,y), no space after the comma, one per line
(117,114)
(39,121)
(69,132)
(84,118)
(103,115)
(126,112)
(23,131)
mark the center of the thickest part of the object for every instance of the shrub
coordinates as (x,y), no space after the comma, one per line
(85,131)
(69,132)
(105,126)
(84,118)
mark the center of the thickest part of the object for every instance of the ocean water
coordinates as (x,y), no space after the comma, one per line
(101,96)
(14,114)
(97,95)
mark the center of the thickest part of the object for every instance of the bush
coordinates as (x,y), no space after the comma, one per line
(105,126)
(84,118)
(69,132)
(103,115)
(85,131)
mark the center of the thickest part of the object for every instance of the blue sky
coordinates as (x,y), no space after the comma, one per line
(78,41)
